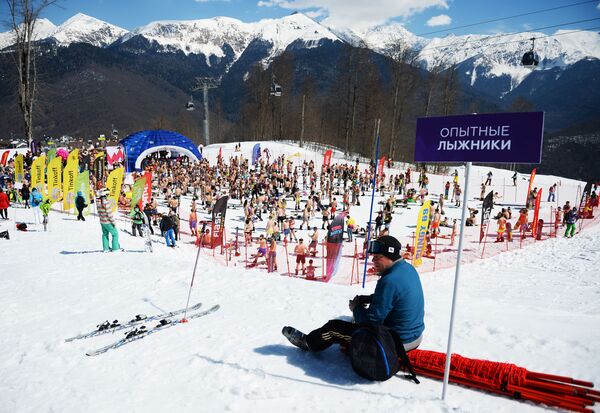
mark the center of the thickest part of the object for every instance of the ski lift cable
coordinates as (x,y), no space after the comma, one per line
(497,36)
(508,17)
(537,38)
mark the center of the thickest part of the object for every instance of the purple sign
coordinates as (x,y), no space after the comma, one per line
(491,137)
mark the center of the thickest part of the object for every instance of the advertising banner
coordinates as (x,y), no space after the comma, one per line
(54,176)
(421,234)
(493,137)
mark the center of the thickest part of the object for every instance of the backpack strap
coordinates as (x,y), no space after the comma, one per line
(404,360)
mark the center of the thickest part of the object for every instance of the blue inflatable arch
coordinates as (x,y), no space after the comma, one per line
(141,144)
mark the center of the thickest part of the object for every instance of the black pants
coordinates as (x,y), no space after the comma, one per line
(137,227)
(333,332)
(4,213)
(80,215)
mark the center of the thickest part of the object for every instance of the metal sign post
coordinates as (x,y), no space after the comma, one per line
(461,237)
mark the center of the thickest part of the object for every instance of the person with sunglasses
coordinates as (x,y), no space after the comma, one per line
(397,303)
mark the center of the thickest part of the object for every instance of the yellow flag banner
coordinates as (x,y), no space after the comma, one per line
(19,168)
(74,157)
(69,176)
(82,184)
(138,191)
(38,174)
(421,234)
(54,177)
(113,183)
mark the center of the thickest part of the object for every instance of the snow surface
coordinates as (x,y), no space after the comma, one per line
(537,307)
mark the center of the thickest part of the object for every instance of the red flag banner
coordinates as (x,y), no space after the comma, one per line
(148,189)
(380,166)
(4,158)
(327,158)
(536,214)
(530,185)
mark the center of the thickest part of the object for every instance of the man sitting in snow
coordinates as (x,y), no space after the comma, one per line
(397,303)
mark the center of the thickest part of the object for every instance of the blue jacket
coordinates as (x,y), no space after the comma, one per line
(571,216)
(397,303)
(35,198)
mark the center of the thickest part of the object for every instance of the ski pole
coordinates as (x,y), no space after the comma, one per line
(184,320)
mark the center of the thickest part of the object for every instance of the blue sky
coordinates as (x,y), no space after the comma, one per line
(418,16)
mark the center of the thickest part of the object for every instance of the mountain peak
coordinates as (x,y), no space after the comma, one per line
(82,28)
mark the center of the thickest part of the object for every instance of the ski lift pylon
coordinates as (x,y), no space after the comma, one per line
(530,59)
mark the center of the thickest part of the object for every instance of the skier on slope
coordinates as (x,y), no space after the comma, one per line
(398,303)
(107,222)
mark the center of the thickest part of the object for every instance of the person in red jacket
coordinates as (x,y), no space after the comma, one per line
(4,204)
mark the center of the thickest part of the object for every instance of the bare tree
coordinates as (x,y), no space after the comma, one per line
(404,61)
(23,15)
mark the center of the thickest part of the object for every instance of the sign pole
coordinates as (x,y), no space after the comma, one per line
(456,275)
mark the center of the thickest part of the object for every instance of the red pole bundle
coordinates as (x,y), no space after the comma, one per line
(508,380)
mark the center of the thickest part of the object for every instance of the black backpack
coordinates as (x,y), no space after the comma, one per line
(376,353)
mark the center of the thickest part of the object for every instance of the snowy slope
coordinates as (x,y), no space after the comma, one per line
(538,307)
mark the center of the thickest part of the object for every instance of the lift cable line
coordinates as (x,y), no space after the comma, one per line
(497,36)
(508,17)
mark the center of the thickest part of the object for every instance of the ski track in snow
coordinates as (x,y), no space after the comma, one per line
(537,307)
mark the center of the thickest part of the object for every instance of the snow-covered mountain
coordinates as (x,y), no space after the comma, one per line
(80,28)
(43,29)
(85,29)
(211,36)
(478,56)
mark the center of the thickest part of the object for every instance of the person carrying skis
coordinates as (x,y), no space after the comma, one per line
(398,303)
(107,222)
(80,205)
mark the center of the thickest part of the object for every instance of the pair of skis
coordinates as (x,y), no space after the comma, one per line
(137,332)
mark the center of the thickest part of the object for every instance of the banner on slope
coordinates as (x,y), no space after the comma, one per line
(585,198)
(54,177)
(137,192)
(19,168)
(4,158)
(380,167)
(51,155)
(486,211)
(536,214)
(335,239)
(327,158)
(148,188)
(82,184)
(38,167)
(99,169)
(529,187)
(114,183)
(69,178)
(421,234)
(255,153)
(218,221)
(74,158)
(114,154)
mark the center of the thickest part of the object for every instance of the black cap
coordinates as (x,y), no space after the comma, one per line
(391,247)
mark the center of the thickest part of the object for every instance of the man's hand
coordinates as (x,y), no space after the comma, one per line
(352,303)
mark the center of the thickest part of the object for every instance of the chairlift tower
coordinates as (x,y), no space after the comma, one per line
(205,83)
